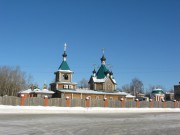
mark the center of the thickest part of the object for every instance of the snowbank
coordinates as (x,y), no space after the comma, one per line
(52,110)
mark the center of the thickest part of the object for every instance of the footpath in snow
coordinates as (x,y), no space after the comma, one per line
(4,109)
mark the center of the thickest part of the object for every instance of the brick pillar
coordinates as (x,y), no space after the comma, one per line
(105,102)
(122,102)
(67,102)
(22,99)
(151,103)
(175,103)
(87,102)
(45,100)
(137,103)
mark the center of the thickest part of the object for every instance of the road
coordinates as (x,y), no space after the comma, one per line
(90,124)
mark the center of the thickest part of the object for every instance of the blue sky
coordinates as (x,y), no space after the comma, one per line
(141,38)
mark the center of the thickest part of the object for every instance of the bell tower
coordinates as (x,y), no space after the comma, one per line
(63,76)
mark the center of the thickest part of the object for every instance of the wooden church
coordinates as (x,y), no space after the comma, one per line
(103,80)
(101,84)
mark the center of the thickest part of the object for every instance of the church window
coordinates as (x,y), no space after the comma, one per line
(65,86)
(70,86)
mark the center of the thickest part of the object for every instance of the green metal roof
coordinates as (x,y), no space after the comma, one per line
(102,72)
(64,66)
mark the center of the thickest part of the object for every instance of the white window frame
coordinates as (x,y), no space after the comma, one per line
(65,86)
(70,86)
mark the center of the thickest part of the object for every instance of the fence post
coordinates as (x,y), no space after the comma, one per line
(137,103)
(151,103)
(46,100)
(122,103)
(105,102)
(67,102)
(164,103)
(174,103)
(22,99)
(87,102)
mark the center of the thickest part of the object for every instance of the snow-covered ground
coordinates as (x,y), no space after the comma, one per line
(4,109)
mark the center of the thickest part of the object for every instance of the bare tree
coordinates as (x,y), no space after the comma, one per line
(13,80)
(126,88)
(83,83)
(136,86)
(157,86)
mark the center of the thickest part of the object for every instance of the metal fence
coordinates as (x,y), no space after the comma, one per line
(61,102)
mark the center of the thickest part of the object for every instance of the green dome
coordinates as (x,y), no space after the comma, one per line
(157,91)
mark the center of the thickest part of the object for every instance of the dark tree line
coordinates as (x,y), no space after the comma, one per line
(12,80)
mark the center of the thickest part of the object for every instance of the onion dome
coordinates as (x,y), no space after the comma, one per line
(94,71)
(103,58)
(64,65)
(64,54)
(111,73)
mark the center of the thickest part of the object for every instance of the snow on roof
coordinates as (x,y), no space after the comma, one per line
(157,89)
(102,80)
(67,71)
(129,96)
(67,82)
(114,80)
(46,91)
(25,91)
(91,92)
(98,80)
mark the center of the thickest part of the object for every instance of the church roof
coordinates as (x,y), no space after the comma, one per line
(102,80)
(92,92)
(157,91)
(102,72)
(64,66)
(43,91)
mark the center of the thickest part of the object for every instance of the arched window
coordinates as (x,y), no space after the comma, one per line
(65,77)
